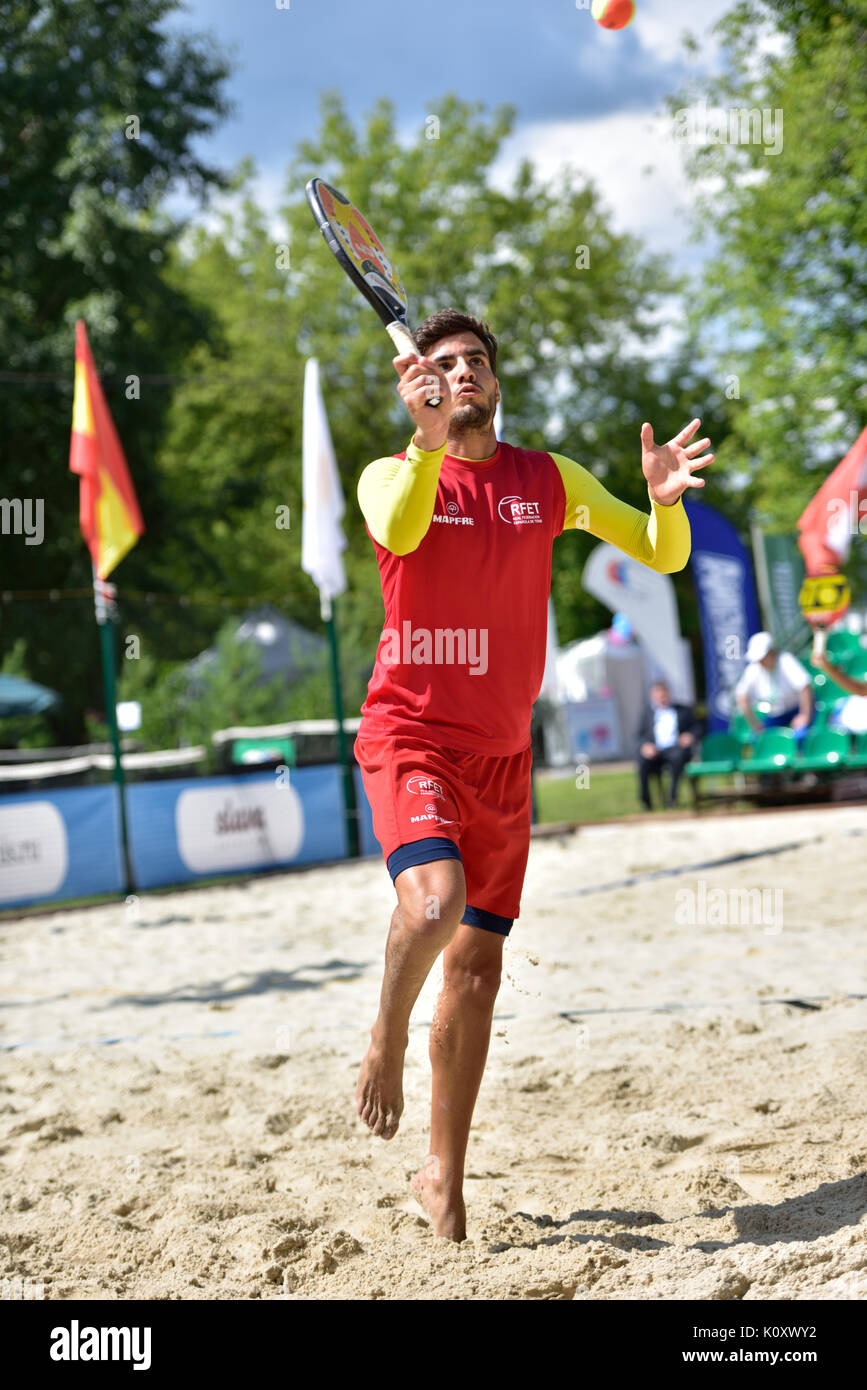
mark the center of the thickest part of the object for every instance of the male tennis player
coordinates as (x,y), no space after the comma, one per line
(463,527)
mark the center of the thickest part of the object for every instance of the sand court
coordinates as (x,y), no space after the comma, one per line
(674,1104)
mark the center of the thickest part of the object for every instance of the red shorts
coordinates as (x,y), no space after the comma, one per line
(430,802)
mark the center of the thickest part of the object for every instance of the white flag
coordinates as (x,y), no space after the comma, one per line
(322,538)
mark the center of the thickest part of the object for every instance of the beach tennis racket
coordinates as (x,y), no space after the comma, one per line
(824,598)
(363,257)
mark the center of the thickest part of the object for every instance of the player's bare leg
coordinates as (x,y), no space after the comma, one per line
(431,901)
(459,1039)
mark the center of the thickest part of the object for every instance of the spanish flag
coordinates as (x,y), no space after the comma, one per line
(111,522)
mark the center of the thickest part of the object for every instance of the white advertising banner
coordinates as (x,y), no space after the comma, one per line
(34,854)
(223,828)
(626,586)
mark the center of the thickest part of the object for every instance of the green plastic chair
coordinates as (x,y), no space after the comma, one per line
(775,751)
(858,755)
(825,748)
(740,730)
(719,753)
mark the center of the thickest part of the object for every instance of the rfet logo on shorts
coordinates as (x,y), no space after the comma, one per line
(519,512)
(424,786)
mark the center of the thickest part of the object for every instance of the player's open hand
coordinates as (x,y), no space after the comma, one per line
(669,467)
(419,380)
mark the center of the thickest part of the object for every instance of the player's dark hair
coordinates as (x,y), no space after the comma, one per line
(445,322)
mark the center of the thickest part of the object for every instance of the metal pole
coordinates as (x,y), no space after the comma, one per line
(103,594)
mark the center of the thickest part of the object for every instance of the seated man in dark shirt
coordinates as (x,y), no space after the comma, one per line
(666,739)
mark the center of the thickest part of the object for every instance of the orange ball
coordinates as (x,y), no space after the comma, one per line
(613,14)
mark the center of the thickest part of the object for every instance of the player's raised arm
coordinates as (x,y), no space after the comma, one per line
(660,539)
(819,658)
(397,496)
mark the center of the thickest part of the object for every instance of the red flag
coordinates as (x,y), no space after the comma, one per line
(829,522)
(111,522)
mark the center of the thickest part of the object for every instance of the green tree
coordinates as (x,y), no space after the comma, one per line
(100,106)
(183,706)
(786,290)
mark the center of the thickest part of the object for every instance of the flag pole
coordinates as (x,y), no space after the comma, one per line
(103,603)
(349,803)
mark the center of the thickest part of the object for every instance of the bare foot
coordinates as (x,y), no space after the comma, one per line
(444,1206)
(379,1092)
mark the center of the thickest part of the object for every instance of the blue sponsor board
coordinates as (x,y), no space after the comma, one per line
(188,829)
(728,609)
(63,844)
(56,845)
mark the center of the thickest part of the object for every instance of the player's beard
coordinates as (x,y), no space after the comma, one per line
(472,417)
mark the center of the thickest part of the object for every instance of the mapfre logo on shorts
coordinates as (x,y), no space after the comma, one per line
(520,513)
(424,786)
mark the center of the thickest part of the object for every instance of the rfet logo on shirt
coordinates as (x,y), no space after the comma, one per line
(520,513)
(424,786)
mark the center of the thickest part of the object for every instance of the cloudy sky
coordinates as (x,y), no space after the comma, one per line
(583,95)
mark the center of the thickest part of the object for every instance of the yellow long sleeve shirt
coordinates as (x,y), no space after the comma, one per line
(464,548)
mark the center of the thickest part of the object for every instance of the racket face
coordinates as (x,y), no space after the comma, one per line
(824,598)
(358,249)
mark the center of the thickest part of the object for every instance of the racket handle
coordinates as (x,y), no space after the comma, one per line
(403,341)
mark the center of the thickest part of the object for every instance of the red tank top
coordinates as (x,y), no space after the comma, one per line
(462,653)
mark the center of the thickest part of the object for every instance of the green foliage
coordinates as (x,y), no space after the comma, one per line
(182,708)
(83,233)
(22,730)
(787,290)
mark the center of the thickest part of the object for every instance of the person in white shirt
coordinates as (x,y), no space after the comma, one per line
(778,684)
(666,739)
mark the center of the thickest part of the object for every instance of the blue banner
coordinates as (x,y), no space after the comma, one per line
(727,606)
(188,829)
(59,844)
(56,845)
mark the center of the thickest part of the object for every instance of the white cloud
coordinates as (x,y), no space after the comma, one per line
(631,156)
(659,25)
(635,163)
